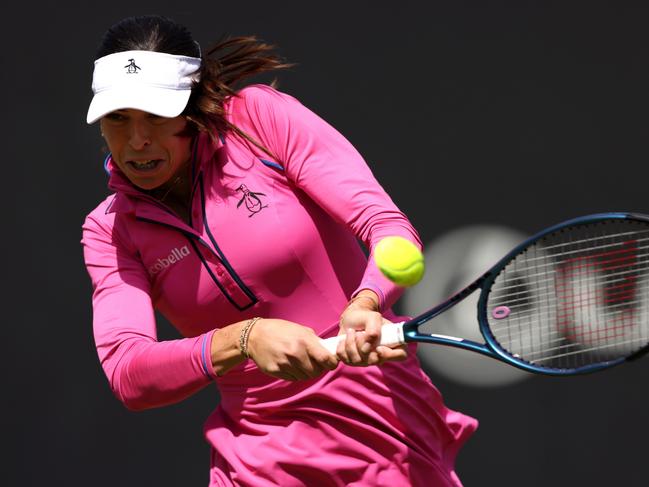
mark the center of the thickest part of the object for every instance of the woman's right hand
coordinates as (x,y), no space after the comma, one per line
(287,350)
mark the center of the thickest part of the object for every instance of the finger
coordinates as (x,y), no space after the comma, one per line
(387,354)
(323,357)
(331,362)
(298,374)
(303,368)
(373,358)
(313,372)
(284,376)
(316,359)
(315,368)
(351,348)
(371,337)
(327,360)
(341,350)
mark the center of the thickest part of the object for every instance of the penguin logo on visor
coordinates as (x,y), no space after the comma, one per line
(132,68)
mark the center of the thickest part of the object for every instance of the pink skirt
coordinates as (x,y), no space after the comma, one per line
(353,426)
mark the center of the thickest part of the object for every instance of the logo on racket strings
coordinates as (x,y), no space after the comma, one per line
(500,312)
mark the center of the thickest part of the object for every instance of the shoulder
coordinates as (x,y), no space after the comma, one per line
(101,215)
(269,115)
(106,224)
(261,93)
(258,101)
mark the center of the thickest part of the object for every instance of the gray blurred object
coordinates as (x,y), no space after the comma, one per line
(453,261)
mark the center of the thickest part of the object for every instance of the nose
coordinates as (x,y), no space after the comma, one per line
(139,135)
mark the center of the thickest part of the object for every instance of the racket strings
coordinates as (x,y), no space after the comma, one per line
(563,344)
(585,334)
(617,239)
(539,275)
(579,254)
(611,312)
(546,355)
(520,299)
(575,297)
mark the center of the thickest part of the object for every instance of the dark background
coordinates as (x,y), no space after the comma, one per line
(520,113)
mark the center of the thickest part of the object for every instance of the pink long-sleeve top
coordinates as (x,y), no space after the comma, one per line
(274,236)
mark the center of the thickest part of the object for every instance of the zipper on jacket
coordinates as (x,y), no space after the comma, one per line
(226,264)
(252,302)
(192,240)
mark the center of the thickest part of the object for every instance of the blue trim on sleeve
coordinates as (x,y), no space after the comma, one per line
(272,164)
(204,357)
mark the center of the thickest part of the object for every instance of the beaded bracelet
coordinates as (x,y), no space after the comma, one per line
(245,333)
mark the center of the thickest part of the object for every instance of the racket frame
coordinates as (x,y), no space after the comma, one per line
(491,348)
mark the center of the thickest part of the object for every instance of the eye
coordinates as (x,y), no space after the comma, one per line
(157,119)
(115,117)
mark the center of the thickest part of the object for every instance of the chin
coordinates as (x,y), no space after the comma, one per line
(147,185)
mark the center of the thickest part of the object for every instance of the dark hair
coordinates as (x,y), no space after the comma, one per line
(225,66)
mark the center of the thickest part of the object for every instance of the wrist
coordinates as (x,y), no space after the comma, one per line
(225,351)
(244,337)
(358,309)
(364,300)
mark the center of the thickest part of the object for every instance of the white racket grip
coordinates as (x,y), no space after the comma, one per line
(391,335)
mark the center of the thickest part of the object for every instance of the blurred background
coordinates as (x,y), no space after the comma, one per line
(485,121)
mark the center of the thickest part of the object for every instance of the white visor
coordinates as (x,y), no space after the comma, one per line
(153,82)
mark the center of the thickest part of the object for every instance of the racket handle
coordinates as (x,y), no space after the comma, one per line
(391,335)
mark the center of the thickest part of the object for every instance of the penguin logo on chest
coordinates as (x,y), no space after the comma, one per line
(252,200)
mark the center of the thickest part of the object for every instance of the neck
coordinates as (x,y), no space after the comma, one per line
(176,195)
(177,189)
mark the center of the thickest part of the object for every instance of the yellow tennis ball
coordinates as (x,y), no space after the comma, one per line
(399,260)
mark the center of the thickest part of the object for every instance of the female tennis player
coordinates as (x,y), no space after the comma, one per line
(236,212)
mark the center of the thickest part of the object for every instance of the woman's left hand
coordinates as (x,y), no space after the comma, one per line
(361,324)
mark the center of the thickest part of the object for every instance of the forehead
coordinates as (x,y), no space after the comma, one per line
(133,112)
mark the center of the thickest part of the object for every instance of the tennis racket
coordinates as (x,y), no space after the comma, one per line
(572,299)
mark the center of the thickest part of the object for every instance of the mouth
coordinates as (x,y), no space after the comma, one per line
(144,165)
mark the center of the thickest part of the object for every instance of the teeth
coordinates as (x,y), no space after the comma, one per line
(144,164)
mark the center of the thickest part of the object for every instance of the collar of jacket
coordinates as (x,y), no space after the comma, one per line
(130,199)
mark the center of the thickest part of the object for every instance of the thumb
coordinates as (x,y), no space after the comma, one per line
(321,355)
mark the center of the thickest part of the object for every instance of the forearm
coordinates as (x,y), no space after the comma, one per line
(153,374)
(225,348)
(146,374)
